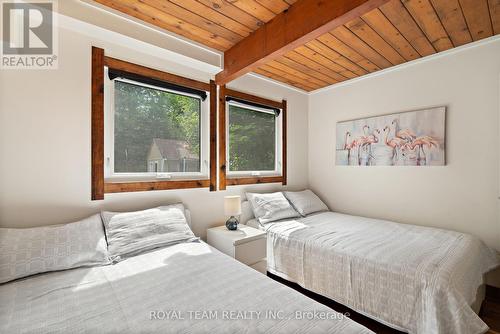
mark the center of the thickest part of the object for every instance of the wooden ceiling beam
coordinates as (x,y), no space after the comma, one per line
(302,22)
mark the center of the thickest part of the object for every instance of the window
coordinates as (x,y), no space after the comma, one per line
(151,130)
(154,133)
(253,140)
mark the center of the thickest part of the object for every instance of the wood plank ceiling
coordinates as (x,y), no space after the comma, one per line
(394,33)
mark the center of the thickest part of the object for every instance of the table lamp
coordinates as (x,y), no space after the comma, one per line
(232,208)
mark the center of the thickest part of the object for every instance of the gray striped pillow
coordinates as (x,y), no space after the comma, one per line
(131,233)
(305,202)
(29,251)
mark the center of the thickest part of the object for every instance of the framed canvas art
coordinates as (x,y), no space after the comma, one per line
(414,138)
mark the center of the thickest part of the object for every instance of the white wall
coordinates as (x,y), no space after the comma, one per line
(461,196)
(45,137)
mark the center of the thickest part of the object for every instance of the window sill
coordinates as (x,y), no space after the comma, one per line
(235,181)
(143,177)
(121,187)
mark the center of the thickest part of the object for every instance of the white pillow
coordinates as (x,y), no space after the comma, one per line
(246,212)
(132,233)
(271,207)
(305,202)
(187,213)
(253,223)
(29,251)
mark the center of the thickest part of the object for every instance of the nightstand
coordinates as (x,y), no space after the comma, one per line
(246,244)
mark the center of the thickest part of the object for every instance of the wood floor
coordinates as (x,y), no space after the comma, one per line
(490,311)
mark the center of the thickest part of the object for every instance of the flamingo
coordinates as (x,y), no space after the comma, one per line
(371,138)
(349,146)
(367,138)
(363,139)
(352,144)
(366,130)
(420,143)
(409,155)
(374,138)
(405,134)
(395,143)
(346,140)
(365,142)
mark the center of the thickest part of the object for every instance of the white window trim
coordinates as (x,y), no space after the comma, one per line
(278,149)
(109,127)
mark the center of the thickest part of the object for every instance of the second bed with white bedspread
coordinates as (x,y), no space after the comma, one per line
(413,278)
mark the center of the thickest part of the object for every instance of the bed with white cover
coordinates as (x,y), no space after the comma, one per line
(412,278)
(186,287)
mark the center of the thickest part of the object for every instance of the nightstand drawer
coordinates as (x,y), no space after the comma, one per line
(251,252)
(260,266)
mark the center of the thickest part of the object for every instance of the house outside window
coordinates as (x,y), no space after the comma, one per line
(172,156)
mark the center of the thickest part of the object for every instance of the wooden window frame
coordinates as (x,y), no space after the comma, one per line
(98,184)
(97,124)
(224,180)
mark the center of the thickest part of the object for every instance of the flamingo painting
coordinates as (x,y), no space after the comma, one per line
(413,138)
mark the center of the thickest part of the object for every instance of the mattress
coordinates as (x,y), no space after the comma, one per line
(186,288)
(413,278)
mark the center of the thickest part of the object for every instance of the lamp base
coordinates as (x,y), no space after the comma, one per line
(232,223)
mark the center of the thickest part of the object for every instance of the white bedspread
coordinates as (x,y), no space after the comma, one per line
(181,279)
(417,279)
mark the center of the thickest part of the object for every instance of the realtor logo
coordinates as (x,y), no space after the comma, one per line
(28,35)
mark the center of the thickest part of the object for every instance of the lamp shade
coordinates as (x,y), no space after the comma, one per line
(232,205)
